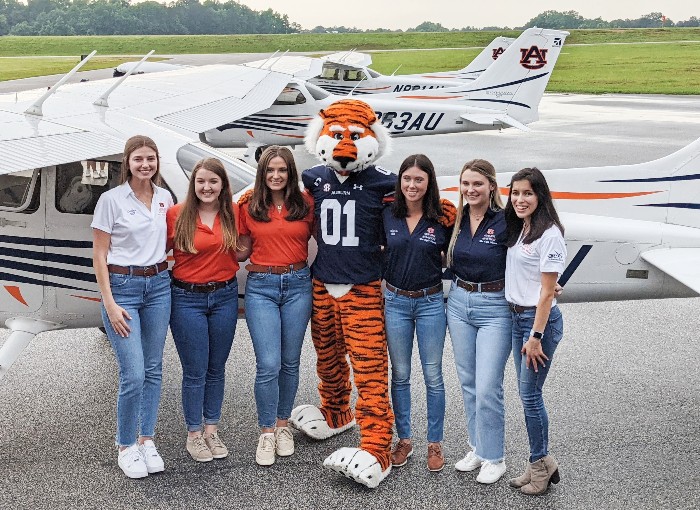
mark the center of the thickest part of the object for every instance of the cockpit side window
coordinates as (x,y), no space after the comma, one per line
(290,96)
(80,184)
(330,73)
(20,191)
(354,75)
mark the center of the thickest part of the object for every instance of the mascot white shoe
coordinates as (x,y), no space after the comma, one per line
(347,320)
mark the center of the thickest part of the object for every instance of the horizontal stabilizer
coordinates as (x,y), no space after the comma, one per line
(488,119)
(683,264)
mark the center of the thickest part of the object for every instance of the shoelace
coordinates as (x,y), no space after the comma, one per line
(216,442)
(268,443)
(149,451)
(199,444)
(284,434)
(133,456)
(403,448)
(435,449)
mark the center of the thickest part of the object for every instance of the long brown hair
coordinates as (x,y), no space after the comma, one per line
(483,167)
(186,223)
(135,143)
(261,201)
(431,201)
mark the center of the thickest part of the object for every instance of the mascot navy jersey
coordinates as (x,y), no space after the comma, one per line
(348,222)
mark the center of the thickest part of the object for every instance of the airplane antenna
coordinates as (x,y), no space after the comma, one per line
(358,84)
(278,58)
(35,109)
(102,100)
(268,59)
(392,74)
(347,55)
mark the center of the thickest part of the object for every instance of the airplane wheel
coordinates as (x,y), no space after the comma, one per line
(103,330)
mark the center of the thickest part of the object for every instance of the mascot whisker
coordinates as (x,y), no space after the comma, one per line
(347,320)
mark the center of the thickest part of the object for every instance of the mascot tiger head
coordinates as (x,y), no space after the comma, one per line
(347,136)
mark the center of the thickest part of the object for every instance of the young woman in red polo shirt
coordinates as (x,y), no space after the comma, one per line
(276,221)
(203,233)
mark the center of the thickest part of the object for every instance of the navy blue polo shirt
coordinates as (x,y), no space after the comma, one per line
(481,258)
(413,260)
(349,222)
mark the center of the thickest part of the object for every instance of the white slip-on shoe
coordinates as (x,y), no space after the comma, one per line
(131,462)
(265,454)
(468,463)
(491,472)
(154,462)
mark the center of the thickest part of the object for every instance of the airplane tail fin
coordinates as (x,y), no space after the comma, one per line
(487,56)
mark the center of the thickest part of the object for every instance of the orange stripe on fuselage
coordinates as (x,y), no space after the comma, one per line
(95,299)
(573,195)
(16,293)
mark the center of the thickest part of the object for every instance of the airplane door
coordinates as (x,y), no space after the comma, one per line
(22,215)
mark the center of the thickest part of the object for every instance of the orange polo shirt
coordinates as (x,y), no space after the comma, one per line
(278,242)
(209,264)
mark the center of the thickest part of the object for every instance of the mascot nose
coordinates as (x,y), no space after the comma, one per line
(343,160)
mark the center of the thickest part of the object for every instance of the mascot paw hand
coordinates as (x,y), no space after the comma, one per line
(360,465)
(310,420)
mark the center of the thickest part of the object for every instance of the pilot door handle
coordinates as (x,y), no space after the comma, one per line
(4,222)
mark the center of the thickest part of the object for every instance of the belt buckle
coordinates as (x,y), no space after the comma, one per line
(149,270)
(470,287)
(211,286)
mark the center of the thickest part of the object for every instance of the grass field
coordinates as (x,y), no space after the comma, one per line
(672,68)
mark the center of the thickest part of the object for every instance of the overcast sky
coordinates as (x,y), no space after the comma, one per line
(405,14)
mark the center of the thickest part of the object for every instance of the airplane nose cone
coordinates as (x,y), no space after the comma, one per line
(344,160)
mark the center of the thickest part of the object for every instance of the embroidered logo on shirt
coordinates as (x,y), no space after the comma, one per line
(326,187)
(489,237)
(132,211)
(357,186)
(490,231)
(431,230)
(527,249)
(555,257)
(428,236)
(317,181)
(393,232)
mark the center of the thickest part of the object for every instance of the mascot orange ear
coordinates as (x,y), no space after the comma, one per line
(347,136)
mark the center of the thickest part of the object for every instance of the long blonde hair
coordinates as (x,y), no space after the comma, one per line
(486,169)
(135,143)
(186,224)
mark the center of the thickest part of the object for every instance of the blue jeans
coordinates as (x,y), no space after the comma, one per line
(203,325)
(277,310)
(480,329)
(426,317)
(139,355)
(530,383)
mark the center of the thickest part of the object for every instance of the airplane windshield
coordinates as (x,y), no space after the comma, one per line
(239,173)
(330,73)
(289,96)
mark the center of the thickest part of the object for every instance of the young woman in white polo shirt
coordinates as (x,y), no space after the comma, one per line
(129,237)
(535,259)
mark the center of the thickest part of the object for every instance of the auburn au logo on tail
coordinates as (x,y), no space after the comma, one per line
(497,52)
(533,53)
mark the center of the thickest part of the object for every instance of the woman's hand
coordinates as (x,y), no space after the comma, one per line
(533,353)
(117,318)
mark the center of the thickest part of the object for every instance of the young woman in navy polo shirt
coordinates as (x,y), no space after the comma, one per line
(416,229)
(203,233)
(129,237)
(478,316)
(276,222)
(536,258)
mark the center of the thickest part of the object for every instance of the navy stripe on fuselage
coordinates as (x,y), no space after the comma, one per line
(46,257)
(530,78)
(692,177)
(677,205)
(502,101)
(34,241)
(6,277)
(575,262)
(47,270)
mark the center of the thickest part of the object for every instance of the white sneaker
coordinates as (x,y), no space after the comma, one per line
(154,462)
(468,463)
(490,472)
(265,454)
(132,463)
(284,441)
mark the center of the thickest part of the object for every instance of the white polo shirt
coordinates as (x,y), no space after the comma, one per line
(525,264)
(138,235)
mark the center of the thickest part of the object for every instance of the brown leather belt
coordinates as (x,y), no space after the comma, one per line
(256,268)
(520,309)
(138,270)
(493,286)
(202,288)
(415,293)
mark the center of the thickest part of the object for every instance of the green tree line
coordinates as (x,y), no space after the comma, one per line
(119,17)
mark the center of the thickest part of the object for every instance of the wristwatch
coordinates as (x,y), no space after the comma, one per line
(536,334)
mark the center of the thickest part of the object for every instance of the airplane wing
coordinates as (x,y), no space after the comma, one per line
(297,66)
(349,58)
(491,119)
(683,264)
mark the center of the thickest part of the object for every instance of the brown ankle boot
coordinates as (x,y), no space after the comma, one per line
(542,473)
(522,480)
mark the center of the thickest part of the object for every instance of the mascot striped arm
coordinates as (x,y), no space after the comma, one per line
(347,319)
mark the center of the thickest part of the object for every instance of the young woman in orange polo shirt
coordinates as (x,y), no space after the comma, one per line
(276,221)
(203,233)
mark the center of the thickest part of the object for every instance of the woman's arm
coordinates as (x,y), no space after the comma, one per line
(246,247)
(533,347)
(116,314)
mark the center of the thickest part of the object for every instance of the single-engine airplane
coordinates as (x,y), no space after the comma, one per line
(506,95)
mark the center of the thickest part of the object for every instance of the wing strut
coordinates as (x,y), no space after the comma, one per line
(102,100)
(35,109)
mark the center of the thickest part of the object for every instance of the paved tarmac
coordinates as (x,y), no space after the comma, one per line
(623,395)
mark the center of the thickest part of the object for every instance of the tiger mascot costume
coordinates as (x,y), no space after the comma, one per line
(347,319)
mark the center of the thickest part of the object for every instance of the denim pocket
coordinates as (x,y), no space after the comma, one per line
(388,295)
(303,274)
(438,296)
(164,275)
(118,280)
(555,324)
(257,276)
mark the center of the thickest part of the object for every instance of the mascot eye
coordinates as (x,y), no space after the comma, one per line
(338,136)
(355,136)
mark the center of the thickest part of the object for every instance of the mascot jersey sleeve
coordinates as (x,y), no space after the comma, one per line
(348,219)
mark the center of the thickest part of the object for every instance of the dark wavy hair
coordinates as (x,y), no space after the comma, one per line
(261,201)
(544,216)
(431,201)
